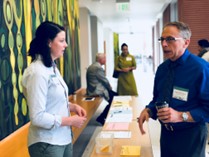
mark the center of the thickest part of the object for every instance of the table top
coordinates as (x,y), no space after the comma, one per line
(137,139)
(89,106)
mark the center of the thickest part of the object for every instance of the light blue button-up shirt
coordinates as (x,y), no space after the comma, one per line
(47,99)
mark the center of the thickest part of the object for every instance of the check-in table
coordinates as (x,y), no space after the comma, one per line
(136,139)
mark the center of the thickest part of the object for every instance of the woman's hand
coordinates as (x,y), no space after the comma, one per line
(78,110)
(126,69)
(75,121)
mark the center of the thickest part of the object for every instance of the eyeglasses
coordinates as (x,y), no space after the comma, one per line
(168,39)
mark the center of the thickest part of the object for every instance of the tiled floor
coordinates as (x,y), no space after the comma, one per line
(144,79)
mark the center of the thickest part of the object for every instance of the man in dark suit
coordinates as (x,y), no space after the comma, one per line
(98,85)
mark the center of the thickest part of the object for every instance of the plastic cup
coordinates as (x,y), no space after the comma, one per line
(160,105)
(104,143)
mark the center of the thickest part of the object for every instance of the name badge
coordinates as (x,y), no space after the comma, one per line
(180,93)
(52,76)
(55,80)
(128,59)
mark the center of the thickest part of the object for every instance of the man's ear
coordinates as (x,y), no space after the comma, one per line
(187,42)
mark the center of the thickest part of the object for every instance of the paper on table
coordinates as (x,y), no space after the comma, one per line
(119,118)
(130,151)
(120,134)
(122,98)
(117,126)
(120,104)
(120,110)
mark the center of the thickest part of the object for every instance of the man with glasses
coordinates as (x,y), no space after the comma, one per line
(181,96)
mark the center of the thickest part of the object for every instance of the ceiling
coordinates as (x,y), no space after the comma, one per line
(142,14)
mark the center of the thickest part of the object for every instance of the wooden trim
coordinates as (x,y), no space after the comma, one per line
(15,144)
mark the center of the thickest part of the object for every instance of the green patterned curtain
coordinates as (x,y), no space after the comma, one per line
(18,22)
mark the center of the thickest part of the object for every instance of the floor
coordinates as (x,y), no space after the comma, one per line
(144,78)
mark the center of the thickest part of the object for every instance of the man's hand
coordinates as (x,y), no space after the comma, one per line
(143,116)
(169,115)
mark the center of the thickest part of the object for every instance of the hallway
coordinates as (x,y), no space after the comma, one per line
(144,79)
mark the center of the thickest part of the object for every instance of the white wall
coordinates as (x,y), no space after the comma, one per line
(158,48)
(108,38)
(85,43)
(100,36)
(138,44)
(94,37)
(97,37)
(161,58)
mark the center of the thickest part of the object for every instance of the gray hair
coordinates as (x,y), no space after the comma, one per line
(99,56)
(183,28)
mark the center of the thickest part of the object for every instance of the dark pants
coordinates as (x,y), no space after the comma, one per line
(42,149)
(103,115)
(189,142)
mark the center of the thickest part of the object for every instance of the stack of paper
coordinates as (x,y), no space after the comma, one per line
(120,104)
(121,110)
(120,114)
(130,151)
(119,101)
(122,98)
(119,117)
(119,134)
(117,126)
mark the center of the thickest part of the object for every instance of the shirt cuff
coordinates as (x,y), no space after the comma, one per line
(153,111)
(196,116)
(57,121)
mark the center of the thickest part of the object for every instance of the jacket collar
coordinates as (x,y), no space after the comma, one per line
(183,58)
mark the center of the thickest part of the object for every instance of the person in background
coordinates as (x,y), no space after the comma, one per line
(50,133)
(98,85)
(125,64)
(181,81)
(203,47)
